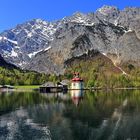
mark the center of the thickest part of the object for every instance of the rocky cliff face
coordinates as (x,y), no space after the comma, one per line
(20,44)
(4,64)
(113,33)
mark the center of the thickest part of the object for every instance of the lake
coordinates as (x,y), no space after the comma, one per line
(100,115)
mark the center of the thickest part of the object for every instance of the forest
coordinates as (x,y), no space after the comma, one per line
(101,73)
(95,74)
(14,76)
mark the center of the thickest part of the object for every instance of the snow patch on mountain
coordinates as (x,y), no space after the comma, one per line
(128,31)
(5,38)
(104,27)
(123,72)
(21,64)
(33,54)
(12,41)
(80,18)
(27,39)
(47,48)
(13,53)
(106,10)
(29,34)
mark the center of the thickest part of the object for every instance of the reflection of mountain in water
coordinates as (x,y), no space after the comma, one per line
(32,120)
(99,116)
(106,116)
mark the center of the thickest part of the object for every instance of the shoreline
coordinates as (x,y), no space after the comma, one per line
(25,89)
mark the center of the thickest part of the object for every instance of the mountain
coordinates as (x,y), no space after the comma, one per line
(21,43)
(4,64)
(12,75)
(49,46)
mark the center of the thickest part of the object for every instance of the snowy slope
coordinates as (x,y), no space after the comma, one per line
(21,44)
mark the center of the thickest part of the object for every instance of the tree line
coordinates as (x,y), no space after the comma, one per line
(19,77)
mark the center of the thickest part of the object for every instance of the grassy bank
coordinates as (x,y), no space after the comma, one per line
(27,87)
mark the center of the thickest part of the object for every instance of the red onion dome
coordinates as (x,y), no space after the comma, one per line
(77,79)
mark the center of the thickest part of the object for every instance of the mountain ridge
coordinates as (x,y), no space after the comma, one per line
(45,46)
(4,64)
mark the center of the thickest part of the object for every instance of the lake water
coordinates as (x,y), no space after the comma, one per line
(112,115)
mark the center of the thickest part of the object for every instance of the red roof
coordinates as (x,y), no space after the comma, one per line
(77,79)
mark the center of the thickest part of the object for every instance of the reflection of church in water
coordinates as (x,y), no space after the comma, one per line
(76,96)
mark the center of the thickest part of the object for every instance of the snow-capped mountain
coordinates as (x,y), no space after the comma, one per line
(21,43)
(46,46)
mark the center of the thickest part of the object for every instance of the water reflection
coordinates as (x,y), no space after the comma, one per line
(72,116)
(77,96)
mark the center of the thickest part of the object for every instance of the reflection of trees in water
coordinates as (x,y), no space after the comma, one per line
(12,101)
(105,115)
(99,115)
(43,120)
(51,115)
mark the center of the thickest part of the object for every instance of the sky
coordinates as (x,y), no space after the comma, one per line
(13,12)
